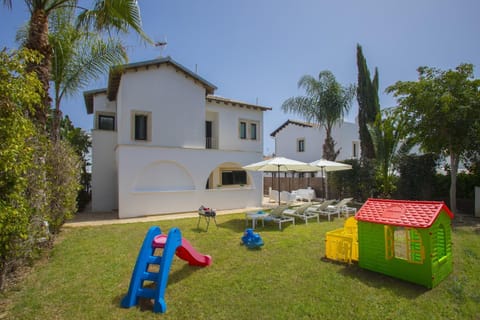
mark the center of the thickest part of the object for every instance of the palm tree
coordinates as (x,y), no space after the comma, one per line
(78,57)
(326,102)
(387,133)
(109,15)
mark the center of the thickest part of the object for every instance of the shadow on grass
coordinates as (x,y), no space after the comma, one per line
(380,281)
(145,304)
(235,225)
(238,225)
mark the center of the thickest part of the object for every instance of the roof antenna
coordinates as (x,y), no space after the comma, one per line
(161,45)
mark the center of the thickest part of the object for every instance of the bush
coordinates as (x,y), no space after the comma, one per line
(358,182)
(417,177)
(39,179)
(18,93)
(63,168)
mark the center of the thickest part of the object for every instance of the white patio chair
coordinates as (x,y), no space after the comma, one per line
(336,208)
(321,209)
(277,216)
(302,213)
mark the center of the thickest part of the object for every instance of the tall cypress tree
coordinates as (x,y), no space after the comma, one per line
(368,104)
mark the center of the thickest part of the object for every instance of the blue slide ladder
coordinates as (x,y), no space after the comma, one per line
(140,274)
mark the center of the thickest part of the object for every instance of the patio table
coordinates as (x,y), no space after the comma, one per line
(254,216)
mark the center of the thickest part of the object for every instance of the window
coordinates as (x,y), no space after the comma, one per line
(141,126)
(404,243)
(355,147)
(441,243)
(248,130)
(301,145)
(106,122)
(234,177)
(400,243)
(208,134)
(253,131)
(243,130)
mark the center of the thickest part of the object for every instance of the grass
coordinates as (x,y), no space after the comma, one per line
(88,273)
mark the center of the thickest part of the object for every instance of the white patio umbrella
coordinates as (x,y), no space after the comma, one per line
(281,164)
(329,166)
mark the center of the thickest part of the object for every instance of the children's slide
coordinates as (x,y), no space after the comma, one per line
(185,252)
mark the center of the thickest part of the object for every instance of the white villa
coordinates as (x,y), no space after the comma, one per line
(304,141)
(162,143)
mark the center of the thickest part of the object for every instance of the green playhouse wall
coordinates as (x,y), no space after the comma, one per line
(442,260)
(372,256)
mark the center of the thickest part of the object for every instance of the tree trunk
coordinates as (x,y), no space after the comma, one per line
(56,118)
(329,146)
(3,274)
(454,159)
(38,40)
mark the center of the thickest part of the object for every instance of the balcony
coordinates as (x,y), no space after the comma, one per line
(211,143)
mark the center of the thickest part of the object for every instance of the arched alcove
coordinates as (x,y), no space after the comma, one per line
(228,175)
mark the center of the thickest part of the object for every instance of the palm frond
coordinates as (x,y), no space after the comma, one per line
(79,56)
(113,15)
(7,3)
(325,103)
(93,60)
(301,106)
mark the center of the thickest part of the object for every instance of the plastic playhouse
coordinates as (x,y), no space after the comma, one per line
(147,256)
(409,240)
(251,239)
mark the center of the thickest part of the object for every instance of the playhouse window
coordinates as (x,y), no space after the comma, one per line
(441,243)
(400,243)
(404,243)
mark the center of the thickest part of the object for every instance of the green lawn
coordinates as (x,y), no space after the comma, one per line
(88,273)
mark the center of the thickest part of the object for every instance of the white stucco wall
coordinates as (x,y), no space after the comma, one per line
(156,180)
(176,103)
(104,173)
(169,172)
(228,126)
(101,103)
(286,141)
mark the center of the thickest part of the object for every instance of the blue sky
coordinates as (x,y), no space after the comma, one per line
(258,49)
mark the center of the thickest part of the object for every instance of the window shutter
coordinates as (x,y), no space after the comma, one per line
(389,245)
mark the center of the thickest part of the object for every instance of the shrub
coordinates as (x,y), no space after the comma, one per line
(63,170)
(417,177)
(358,182)
(18,93)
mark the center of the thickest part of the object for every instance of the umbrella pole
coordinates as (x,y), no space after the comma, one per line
(278,183)
(323,183)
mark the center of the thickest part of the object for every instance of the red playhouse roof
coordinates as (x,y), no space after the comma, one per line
(416,214)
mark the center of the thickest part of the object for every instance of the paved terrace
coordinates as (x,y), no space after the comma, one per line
(87,218)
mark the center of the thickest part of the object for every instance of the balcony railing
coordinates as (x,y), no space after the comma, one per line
(211,143)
